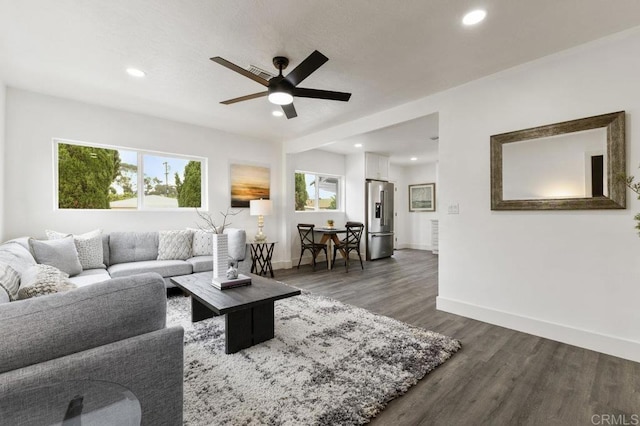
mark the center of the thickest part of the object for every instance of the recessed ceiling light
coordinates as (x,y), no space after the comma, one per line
(358,145)
(134,72)
(277,113)
(414,158)
(474,17)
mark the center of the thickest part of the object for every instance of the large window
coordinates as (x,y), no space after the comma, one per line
(95,177)
(315,192)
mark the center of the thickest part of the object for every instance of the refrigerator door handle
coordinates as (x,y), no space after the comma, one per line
(381,234)
(384,194)
(382,208)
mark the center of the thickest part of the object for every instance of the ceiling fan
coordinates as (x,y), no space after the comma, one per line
(281,89)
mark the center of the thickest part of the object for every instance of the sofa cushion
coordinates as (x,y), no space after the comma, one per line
(61,254)
(174,245)
(40,280)
(166,268)
(202,242)
(201,263)
(89,246)
(90,276)
(132,247)
(9,280)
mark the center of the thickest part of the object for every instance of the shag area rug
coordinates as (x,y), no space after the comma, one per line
(329,364)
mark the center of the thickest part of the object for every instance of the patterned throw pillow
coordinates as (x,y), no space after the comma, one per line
(89,246)
(174,245)
(202,242)
(9,280)
(40,280)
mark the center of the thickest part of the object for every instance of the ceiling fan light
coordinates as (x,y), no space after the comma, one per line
(474,17)
(280,98)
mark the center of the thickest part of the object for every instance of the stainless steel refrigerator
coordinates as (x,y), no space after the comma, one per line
(379,219)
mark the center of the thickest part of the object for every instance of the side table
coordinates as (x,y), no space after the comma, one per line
(261,254)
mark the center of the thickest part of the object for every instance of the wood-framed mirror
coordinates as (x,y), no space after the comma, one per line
(573,165)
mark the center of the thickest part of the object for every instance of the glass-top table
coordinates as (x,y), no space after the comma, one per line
(71,403)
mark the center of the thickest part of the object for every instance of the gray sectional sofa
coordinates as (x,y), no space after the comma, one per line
(111,328)
(130,253)
(113,331)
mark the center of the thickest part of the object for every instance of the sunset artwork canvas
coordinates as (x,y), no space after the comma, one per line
(249,182)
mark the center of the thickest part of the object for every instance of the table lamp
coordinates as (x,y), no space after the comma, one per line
(260,208)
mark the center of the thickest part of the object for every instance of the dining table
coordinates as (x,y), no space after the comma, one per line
(329,236)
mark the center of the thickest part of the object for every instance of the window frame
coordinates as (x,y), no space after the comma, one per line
(339,195)
(140,153)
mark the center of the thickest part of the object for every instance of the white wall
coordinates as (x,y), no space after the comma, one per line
(3,91)
(571,276)
(566,275)
(314,161)
(413,229)
(33,120)
(355,187)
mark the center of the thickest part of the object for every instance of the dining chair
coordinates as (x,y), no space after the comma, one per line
(350,243)
(307,243)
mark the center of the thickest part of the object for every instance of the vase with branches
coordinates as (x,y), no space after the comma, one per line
(210,223)
(222,267)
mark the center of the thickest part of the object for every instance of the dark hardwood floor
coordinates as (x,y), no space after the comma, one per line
(500,377)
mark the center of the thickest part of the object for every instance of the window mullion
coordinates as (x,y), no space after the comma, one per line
(317,193)
(140,182)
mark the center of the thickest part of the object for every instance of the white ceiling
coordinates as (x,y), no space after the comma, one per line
(414,138)
(385,52)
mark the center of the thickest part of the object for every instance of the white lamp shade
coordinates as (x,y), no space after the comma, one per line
(260,207)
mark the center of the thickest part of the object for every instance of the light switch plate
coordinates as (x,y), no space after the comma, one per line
(454,209)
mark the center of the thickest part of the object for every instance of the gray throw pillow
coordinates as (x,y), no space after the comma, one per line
(202,242)
(89,246)
(174,245)
(61,254)
(40,280)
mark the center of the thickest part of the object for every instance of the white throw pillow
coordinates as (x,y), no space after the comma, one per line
(89,246)
(174,245)
(202,242)
(40,280)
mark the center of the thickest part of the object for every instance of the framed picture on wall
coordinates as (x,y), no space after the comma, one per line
(249,182)
(422,197)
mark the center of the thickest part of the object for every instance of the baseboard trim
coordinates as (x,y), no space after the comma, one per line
(413,246)
(611,345)
(283,264)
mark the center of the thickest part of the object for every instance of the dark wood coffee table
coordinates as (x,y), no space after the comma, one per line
(248,309)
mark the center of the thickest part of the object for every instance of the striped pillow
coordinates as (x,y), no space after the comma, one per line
(9,281)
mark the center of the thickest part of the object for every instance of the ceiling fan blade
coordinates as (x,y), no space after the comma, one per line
(306,67)
(244,98)
(321,94)
(239,70)
(289,111)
